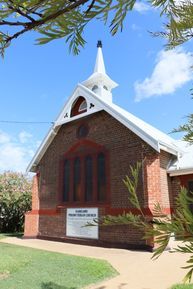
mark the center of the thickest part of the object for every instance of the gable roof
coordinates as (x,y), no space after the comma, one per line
(155,138)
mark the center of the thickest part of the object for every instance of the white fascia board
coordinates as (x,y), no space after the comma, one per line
(42,149)
(54,129)
(147,138)
(82,115)
(180,172)
(136,130)
(100,104)
(48,138)
(60,121)
(79,91)
(170,149)
(68,104)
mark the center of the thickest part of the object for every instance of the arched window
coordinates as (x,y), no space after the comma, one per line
(66,189)
(79,106)
(82,131)
(85,177)
(101,177)
(88,178)
(77,180)
(95,87)
(83,106)
(105,87)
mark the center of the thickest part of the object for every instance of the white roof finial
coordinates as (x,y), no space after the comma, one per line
(99,82)
(99,65)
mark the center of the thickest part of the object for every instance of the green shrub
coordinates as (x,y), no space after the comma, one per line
(15,200)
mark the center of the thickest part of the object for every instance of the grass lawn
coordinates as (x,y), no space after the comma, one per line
(4,235)
(26,268)
(182,286)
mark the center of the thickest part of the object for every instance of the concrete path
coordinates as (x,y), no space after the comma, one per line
(136,269)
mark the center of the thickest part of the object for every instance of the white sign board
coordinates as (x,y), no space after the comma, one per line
(77,218)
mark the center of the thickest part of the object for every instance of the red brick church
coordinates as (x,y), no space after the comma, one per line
(81,164)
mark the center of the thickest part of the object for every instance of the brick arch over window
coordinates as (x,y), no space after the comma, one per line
(79,106)
(84,175)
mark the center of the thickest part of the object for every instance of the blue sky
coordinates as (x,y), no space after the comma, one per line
(35,81)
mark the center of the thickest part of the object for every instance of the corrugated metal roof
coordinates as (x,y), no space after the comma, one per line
(184,163)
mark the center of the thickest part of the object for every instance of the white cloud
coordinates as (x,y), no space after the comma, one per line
(4,137)
(15,152)
(38,143)
(24,136)
(172,71)
(13,157)
(141,7)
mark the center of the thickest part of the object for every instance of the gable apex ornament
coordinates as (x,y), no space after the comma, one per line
(99,44)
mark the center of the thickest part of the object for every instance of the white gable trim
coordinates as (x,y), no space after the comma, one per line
(60,120)
(156,144)
(99,104)
(42,149)
(79,91)
(166,148)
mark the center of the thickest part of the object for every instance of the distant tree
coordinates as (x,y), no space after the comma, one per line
(56,19)
(187,129)
(15,200)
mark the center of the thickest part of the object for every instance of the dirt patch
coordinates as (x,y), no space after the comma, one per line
(4,275)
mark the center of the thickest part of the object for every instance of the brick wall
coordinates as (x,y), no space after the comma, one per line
(125,149)
(31,228)
(152,179)
(184,179)
(166,192)
(176,183)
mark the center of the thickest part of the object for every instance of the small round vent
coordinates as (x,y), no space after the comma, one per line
(82,131)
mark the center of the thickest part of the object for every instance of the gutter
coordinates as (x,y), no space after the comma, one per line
(180,171)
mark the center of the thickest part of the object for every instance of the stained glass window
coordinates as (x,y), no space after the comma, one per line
(66,180)
(101,180)
(88,178)
(77,180)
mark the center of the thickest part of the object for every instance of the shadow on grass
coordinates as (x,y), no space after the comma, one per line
(52,285)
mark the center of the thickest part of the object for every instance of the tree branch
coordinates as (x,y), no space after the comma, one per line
(36,23)
(3,22)
(90,6)
(19,11)
(31,11)
(60,12)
